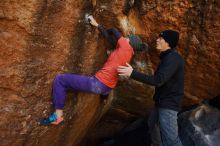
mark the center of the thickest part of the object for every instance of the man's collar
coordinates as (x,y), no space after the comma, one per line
(162,54)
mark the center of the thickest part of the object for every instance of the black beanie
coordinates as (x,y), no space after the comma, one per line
(171,37)
(136,43)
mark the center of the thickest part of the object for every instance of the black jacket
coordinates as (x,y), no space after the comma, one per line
(168,79)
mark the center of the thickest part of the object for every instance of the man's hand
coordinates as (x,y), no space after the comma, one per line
(125,70)
(93,21)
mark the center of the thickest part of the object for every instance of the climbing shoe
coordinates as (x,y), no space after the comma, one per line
(51,120)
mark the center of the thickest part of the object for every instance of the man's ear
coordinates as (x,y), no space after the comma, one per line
(167,44)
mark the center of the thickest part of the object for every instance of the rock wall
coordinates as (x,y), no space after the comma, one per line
(194,129)
(42,38)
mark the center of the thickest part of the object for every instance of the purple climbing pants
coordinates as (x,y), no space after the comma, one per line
(64,82)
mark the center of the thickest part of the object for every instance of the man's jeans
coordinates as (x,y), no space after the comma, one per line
(163,127)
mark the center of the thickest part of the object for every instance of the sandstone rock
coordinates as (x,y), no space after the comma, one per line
(40,39)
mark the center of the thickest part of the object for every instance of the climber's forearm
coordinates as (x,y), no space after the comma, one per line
(107,34)
(112,35)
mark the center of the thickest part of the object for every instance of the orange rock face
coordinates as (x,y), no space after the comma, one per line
(39,39)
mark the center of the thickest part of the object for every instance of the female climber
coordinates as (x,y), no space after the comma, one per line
(103,81)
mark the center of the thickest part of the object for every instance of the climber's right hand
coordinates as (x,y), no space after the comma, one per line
(92,21)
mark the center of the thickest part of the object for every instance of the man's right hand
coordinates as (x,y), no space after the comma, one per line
(93,21)
(125,70)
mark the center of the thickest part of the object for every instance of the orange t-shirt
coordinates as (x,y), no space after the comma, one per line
(123,53)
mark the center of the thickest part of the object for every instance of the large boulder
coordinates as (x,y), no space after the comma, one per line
(200,126)
(42,38)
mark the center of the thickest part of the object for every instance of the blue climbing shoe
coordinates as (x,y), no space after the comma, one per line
(51,120)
